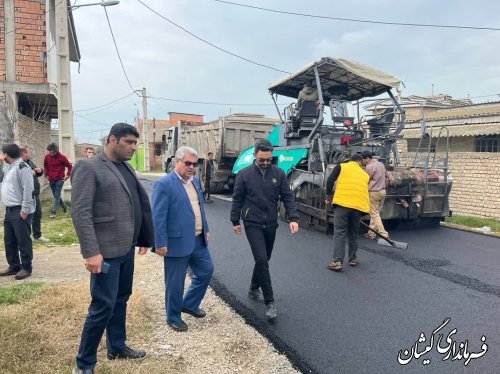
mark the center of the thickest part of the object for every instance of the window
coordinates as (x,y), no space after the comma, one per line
(488,143)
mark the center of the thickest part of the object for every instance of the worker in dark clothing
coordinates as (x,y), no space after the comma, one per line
(350,201)
(257,192)
(36,223)
(208,171)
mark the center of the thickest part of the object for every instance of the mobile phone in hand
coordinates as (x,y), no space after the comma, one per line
(105,267)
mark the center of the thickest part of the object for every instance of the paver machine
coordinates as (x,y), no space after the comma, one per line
(308,145)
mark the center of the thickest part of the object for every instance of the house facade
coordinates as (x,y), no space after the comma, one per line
(28,71)
(157,128)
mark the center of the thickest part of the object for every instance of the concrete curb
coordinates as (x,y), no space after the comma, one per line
(468,229)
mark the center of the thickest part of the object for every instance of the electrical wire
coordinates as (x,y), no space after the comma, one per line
(105,105)
(207,102)
(358,20)
(92,121)
(118,53)
(210,43)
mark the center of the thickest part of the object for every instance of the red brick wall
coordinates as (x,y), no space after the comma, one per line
(30,41)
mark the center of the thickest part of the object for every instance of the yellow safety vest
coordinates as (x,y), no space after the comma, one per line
(352,187)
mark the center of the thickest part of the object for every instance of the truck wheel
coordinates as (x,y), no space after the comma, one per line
(217,188)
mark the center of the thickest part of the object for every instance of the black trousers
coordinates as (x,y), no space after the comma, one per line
(37,219)
(346,227)
(108,310)
(261,240)
(17,239)
(207,189)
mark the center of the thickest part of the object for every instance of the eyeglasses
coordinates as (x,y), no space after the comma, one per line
(189,163)
(265,160)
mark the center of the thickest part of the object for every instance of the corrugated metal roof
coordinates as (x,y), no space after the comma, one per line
(457,130)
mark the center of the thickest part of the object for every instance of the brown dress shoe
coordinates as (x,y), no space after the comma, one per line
(9,271)
(23,274)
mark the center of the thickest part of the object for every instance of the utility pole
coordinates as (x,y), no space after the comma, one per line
(145,140)
(64,101)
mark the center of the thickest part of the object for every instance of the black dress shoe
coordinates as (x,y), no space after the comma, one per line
(178,326)
(200,313)
(127,354)
(9,271)
(77,370)
(23,274)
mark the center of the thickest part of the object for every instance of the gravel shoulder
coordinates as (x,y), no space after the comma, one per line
(220,343)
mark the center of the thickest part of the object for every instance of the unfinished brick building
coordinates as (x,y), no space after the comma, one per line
(29,70)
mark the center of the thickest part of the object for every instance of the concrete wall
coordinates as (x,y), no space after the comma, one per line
(476,183)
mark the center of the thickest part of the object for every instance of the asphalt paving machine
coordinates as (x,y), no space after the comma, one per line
(308,145)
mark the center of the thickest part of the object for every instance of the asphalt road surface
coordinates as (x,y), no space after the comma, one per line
(357,321)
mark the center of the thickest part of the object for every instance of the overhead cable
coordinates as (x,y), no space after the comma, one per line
(206,102)
(118,53)
(210,43)
(105,105)
(359,20)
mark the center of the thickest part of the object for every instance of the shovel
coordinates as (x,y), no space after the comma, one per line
(392,243)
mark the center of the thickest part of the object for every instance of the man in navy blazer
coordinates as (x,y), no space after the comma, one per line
(181,236)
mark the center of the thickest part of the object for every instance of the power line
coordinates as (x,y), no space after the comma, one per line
(210,43)
(118,52)
(92,121)
(106,105)
(207,102)
(358,20)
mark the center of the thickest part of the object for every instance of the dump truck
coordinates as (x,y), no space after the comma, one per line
(307,146)
(226,137)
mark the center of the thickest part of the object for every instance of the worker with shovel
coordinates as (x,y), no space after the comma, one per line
(351,200)
(376,188)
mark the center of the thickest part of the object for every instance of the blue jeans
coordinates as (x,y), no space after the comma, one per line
(56,188)
(202,268)
(110,293)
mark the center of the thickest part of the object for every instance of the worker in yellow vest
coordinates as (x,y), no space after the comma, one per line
(351,200)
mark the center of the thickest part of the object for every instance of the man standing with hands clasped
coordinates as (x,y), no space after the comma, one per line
(257,192)
(112,215)
(18,196)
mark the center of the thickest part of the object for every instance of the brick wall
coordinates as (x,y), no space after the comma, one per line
(476,183)
(30,41)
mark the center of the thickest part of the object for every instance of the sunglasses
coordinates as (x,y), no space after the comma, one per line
(265,160)
(189,163)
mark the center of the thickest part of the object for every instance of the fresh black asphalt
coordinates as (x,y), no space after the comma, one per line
(358,320)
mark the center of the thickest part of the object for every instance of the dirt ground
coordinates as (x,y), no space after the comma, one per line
(52,264)
(220,343)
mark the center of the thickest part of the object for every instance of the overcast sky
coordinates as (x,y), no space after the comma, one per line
(172,64)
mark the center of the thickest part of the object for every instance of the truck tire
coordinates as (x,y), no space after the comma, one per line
(217,188)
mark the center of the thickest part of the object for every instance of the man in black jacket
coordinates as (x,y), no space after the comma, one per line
(257,191)
(36,224)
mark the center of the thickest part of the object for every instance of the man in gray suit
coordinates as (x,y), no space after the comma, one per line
(112,215)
